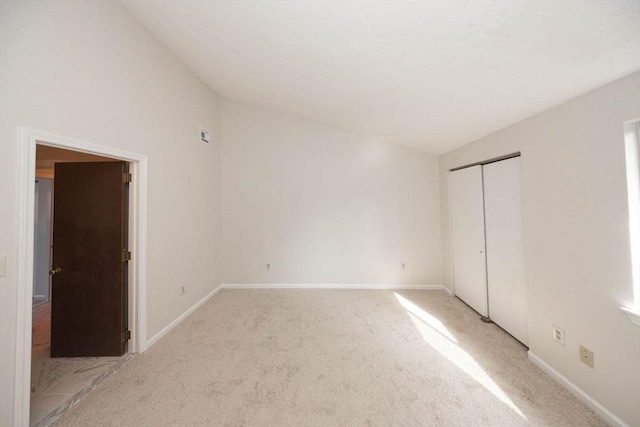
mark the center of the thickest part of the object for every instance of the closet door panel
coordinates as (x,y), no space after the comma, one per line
(505,249)
(467,237)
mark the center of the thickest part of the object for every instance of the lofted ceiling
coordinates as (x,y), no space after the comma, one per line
(431,75)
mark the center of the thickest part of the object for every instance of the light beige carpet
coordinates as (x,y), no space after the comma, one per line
(331,358)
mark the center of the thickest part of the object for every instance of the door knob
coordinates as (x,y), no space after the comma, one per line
(55,270)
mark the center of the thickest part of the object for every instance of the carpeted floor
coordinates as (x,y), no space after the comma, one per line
(331,358)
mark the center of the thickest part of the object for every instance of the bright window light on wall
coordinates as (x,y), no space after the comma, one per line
(632,153)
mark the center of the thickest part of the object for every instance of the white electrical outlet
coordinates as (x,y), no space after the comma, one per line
(183,290)
(403,265)
(268,266)
(558,334)
(586,356)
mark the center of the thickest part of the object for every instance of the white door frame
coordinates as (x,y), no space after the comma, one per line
(28,139)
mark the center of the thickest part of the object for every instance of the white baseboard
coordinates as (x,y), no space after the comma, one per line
(331,286)
(606,415)
(183,316)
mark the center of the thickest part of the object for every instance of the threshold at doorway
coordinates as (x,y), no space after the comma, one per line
(58,384)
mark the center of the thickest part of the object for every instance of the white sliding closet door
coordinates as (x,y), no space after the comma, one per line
(467,237)
(504,245)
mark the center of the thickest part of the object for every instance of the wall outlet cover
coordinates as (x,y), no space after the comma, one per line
(557,334)
(586,356)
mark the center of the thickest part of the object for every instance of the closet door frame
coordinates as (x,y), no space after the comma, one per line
(457,239)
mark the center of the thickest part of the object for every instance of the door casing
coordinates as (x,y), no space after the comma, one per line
(28,139)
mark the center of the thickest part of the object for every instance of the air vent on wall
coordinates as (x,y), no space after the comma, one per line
(205,136)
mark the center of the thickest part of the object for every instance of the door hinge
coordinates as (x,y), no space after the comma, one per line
(126,177)
(126,255)
(126,335)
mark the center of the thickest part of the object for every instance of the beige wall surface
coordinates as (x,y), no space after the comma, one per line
(576,236)
(322,205)
(90,71)
(319,204)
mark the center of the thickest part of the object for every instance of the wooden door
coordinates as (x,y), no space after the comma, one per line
(505,247)
(467,237)
(89,286)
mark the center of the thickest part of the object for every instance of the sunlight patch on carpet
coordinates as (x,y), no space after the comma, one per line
(438,337)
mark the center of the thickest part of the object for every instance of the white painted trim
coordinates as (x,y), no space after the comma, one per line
(27,141)
(450,226)
(197,305)
(26,190)
(634,316)
(138,243)
(632,165)
(184,315)
(603,412)
(154,339)
(330,286)
(447,291)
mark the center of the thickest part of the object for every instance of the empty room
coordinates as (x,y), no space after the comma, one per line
(320,213)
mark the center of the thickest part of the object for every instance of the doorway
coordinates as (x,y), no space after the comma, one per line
(46,160)
(29,140)
(80,310)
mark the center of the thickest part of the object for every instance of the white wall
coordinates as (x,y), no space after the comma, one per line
(322,205)
(576,237)
(89,71)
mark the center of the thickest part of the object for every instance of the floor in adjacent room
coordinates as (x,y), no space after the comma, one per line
(332,357)
(56,384)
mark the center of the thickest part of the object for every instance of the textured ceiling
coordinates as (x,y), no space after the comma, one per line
(431,75)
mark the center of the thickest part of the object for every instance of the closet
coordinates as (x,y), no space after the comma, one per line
(486,235)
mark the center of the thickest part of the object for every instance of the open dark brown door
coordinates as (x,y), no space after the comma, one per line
(89,286)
